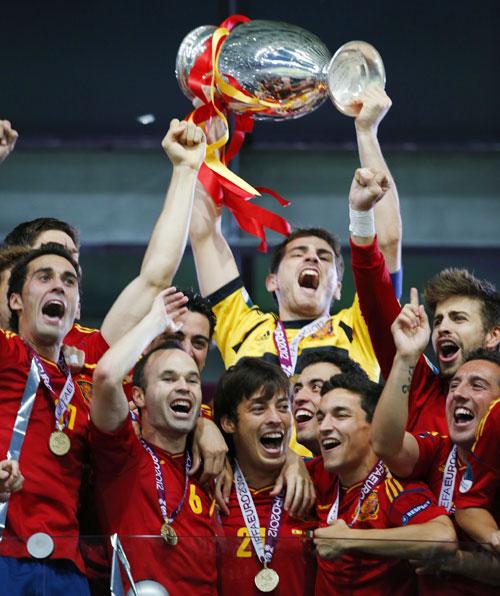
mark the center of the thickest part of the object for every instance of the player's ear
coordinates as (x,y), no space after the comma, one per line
(492,339)
(228,425)
(271,282)
(138,396)
(16,302)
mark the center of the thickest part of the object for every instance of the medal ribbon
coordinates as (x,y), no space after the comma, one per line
(67,392)
(449,479)
(20,426)
(160,484)
(288,353)
(249,511)
(373,479)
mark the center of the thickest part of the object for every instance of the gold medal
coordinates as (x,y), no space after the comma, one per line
(59,443)
(267,579)
(168,534)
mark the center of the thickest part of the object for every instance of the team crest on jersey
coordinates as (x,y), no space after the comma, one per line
(85,389)
(370,508)
(325,331)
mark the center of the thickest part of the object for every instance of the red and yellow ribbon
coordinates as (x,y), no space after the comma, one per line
(223,185)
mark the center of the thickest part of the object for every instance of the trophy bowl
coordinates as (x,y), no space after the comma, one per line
(287,68)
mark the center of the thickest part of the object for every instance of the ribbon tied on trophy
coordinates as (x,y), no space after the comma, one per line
(263,70)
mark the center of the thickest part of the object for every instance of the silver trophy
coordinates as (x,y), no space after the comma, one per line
(286,66)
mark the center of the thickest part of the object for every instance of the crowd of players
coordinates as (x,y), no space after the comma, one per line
(307,474)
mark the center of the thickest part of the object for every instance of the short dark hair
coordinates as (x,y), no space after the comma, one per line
(460,282)
(368,391)
(138,377)
(197,303)
(332,239)
(20,269)
(333,356)
(26,233)
(241,381)
(483,354)
(9,255)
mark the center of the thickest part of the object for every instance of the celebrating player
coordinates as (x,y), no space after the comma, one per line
(49,442)
(363,508)
(441,461)
(143,484)
(317,367)
(306,274)
(265,548)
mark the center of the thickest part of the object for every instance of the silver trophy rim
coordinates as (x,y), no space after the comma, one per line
(344,107)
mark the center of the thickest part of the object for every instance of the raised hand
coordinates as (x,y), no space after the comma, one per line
(367,188)
(185,144)
(8,138)
(373,105)
(411,330)
(168,308)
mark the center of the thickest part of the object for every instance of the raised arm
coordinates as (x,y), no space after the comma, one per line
(215,263)
(8,138)
(398,448)
(373,106)
(184,144)
(109,407)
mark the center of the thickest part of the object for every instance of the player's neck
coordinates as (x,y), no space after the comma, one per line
(48,351)
(286,314)
(256,477)
(359,472)
(462,453)
(167,441)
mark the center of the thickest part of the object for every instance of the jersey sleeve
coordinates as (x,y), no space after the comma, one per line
(114,452)
(482,479)
(236,318)
(377,300)
(411,503)
(428,445)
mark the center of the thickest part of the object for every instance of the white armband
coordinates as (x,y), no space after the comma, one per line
(362,223)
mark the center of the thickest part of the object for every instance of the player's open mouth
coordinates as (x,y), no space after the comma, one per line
(463,415)
(54,310)
(309,278)
(330,444)
(272,441)
(181,407)
(447,350)
(302,415)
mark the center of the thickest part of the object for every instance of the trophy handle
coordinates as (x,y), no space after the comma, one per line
(354,66)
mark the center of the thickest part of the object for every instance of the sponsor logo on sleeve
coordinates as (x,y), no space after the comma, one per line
(412,512)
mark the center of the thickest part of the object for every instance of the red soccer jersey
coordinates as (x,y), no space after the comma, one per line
(293,558)
(390,504)
(48,501)
(426,404)
(434,450)
(80,337)
(127,503)
(485,463)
